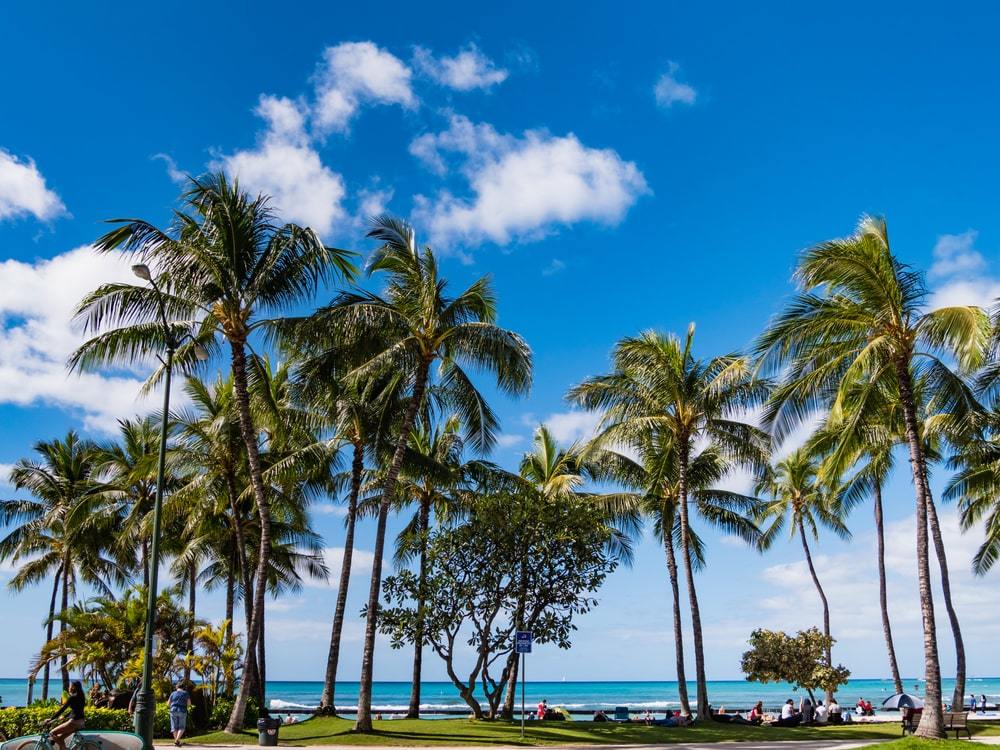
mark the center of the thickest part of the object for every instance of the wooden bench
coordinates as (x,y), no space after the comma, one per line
(911,718)
(957,721)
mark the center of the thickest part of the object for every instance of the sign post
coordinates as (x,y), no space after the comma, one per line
(522,646)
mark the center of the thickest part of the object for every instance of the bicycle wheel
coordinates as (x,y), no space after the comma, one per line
(87,743)
(29,743)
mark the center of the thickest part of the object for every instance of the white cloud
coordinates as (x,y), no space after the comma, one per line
(23,190)
(669,91)
(854,608)
(467,70)
(554,267)
(5,470)
(961,273)
(37,337)
(176,175)
(330,509)
(522,187)
(287,167)
(354,73)
(955,254)
(361,564)
(506,440)
(373,202)
(573,426)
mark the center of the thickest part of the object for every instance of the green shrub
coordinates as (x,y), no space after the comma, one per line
(224,706)
(16,722)
(161,721)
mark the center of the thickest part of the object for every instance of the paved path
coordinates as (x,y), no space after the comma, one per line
(786,744)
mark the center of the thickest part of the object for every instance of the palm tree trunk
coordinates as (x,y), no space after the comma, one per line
(145,564)
(682,689)
(62,622)
(192,582)
(699,649)
(328,699)
(246,575)
(882,596)
(931,719)
(230,599)
(822,595)
(262,671)
(958,694)
(418,640)
(364,722)
(48,630)
(249,434)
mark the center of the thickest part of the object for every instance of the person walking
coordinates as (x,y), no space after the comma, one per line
(178,703)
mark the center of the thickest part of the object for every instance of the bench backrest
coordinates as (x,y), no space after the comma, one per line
(956,719)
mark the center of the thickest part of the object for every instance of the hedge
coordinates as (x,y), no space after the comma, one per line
(16,722)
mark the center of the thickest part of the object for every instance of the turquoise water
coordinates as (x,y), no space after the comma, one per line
(573,695)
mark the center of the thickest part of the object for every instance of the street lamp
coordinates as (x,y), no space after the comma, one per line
(145,703)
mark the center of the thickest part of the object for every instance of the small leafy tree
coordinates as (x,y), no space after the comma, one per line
(800,659)
(474,588)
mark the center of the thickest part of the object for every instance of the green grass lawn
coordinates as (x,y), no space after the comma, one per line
(329,731)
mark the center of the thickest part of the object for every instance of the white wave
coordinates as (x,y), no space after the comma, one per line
(278,703)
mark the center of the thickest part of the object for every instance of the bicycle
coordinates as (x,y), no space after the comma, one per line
(76,741)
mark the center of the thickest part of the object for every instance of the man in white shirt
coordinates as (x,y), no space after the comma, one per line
(821,714)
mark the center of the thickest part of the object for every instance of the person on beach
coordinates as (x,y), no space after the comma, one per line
(982,702)
(806,710)
(757,713)
(822,714)
(542,708)
(972,702)
(599,715)
(75,702)
(789,716)
(178,702)
(836,716)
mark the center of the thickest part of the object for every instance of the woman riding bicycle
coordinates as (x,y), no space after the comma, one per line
(75,703)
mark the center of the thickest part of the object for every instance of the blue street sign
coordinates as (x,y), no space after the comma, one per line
(522,642)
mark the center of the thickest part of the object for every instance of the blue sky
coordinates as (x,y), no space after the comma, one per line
(612,170)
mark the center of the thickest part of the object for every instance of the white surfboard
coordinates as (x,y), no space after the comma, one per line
(108,740)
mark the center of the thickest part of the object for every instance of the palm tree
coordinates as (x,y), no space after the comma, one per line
(59,533)
(651,474)
(223,266)
(432,475)
(403,334)
(208,451)
(800,499)
(548,476)
(860,319)
(976,487)
(862,439)
(659,389)
(129,469)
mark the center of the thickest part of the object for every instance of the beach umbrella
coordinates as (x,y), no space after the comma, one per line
(902,700)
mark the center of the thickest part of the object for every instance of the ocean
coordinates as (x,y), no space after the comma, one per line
(575,696)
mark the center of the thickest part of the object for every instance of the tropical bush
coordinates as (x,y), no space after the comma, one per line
(15,722)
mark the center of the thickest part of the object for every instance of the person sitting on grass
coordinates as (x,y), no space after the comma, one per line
(821,714)
(757,713)
(599,715)
(806,710)
(836,717)
(75,702)
(789,716)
